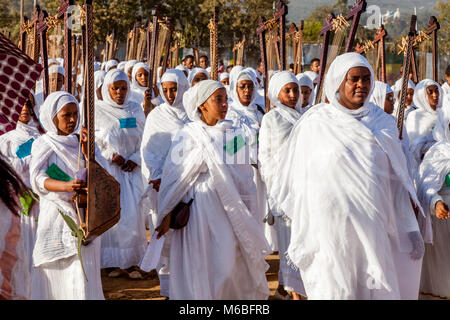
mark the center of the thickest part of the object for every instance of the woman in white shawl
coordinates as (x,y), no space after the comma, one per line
(383,97)
(99,77)
(409,103)
(344,183)
(160,127)
(55,176)
(220,253)
(119,124)
(139,82)
(111,64)
(196,75)
(307,91)
(434,192)
(246,114)
(15,146)
(284,94)
(129,68)
(428,99)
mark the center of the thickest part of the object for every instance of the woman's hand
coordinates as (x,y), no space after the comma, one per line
(156,184)
(148,95)
(441,210)
(129,166)
(164,226)
(74,185)
(118,159)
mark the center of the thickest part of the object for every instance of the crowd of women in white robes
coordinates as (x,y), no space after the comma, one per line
(352,205)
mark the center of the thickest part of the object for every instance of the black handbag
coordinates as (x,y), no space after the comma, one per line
(180,215)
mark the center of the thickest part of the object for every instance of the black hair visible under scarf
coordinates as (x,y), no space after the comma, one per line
(11,187)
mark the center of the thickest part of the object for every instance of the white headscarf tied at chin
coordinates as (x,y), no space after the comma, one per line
(337,74)
(111,77)
(50,108)
(276,84)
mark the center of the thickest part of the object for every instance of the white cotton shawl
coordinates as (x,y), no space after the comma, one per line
(276,84)
(108,113)
(196,71)
(56,242)
(121,65)
(162,124)
(305,81)
(379,93)
(110,64)
(248,117)
(420,122)
(435,166)
(138,91)
(177,181)
(196,97)
(328,187)
(129,64)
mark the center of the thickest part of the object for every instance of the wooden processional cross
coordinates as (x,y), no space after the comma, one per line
(214,43)
(263,27)
(432,30)
(378,44)
(63,13)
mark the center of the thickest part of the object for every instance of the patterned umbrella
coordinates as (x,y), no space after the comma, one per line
(18,74)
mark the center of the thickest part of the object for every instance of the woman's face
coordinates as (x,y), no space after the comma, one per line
(170,91)
(56,81)
(130,73)
(25,116)
(409,97)
(306,93)
(244,90)
(389,103)
(289,94)
(355,88)
(199,77)
(66,119)
(215,108)
(118,91)
(433,96)
(142,77)
(225,82)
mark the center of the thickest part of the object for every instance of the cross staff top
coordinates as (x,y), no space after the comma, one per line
(354,14)
(433,27)
(63,13)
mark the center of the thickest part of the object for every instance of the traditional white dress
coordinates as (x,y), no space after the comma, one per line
(160,127)
(346,188)
(15,146)
(275,129)
(435,186)
(118,129)
(220,253)
(420,122)
(58,273)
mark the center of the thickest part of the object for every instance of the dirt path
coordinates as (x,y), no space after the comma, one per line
(124,288)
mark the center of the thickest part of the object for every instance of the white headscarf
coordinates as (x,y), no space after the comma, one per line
(379,93)
(197,95)
(234,73)
(313,76)
(111,77)
(99,77)
(398,87)
(129,64)
(110,64)
(103,65)
(336,75)
(54,68)
(65,146)
(175,75)
(183,68)
(194,72)
(277,82)
(134,83)
(305,81)
(223,76)
(121,65)
(97,66)
(420,98)
(241,76)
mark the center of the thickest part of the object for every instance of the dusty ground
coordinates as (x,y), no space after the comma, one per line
(124,288)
